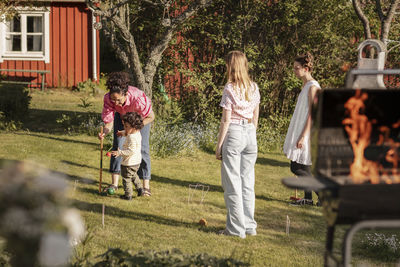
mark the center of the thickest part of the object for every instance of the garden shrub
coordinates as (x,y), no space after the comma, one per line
(92,88)
(382,246)
(14,106)
(88,123)
(171,139)
(174,257)
(271,133)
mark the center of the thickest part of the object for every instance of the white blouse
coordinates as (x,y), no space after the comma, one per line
(241,109)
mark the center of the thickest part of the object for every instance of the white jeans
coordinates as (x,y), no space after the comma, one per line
(239,155)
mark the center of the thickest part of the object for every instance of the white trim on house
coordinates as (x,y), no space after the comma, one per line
(44,54)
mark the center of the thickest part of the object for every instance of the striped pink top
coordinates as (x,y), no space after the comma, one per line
(241,109)
(136,101)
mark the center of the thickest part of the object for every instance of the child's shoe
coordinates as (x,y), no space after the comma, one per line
(139,191)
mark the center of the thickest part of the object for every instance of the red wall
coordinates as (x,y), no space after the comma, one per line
(70,48)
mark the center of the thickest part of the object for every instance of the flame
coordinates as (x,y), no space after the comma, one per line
(359,129)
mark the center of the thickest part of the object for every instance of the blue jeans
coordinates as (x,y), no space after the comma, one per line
(144,171)
(239,155)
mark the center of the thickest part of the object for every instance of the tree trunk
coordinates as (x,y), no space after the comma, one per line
(116,25)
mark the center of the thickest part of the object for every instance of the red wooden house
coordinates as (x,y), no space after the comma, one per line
(57,36)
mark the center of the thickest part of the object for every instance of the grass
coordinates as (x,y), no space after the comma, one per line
(167,220)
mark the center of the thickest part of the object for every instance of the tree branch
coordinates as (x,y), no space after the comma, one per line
(190,11)
(117,46)
(152,3)
(379,10)
(363,18)
(385,27)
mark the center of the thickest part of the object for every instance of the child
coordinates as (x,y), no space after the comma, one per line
(237,146)
(297,142)
(130,153)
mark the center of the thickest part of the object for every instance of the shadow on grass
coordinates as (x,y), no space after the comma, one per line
(272,162)
(86,166)
(58,139)
(266,198)
(40,120)
(166,180)
(303,220)
(139,216)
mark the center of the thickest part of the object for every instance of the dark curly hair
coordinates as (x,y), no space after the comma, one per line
(134,119)
(118,82)
(306,60)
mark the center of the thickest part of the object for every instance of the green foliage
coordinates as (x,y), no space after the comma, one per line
(166,109)
(171,139)
(14,106)
(271,133)
(88,123)
(382,246)
(271,34)
(85,103)
(9,125)
(174,257)
(82,252)
(92,88)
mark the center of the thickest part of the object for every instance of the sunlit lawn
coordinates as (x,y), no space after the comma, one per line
(168,219)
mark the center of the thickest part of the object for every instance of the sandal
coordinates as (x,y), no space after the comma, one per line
(146,192)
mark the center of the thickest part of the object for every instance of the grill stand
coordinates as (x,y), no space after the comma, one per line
(330,260)
(331,210)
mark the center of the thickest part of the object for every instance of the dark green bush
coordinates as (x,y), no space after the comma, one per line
(174,257)
(14,101)
(14,106)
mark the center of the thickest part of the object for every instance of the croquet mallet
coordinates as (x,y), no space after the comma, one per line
(101,159)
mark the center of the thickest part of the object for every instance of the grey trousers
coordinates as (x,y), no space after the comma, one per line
(239,155)
(129,176)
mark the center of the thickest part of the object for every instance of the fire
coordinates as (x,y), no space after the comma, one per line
(359,129)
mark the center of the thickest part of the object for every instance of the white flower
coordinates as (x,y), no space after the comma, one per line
(76,227)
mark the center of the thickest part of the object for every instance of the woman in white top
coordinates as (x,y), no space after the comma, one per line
(237,146)
(297,143)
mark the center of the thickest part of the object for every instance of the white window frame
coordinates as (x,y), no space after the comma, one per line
(43,55)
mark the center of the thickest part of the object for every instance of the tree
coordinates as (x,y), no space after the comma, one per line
(8,8)
(385,20)
(120,19)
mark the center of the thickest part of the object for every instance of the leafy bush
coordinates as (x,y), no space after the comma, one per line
(14,106)
(81,123)
(382,246)
(92,88)
(171,140)
(8,125)
(174,257)
(271,133)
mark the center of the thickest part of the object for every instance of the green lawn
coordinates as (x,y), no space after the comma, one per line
(167,220)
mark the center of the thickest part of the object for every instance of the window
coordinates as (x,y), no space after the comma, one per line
(25,37)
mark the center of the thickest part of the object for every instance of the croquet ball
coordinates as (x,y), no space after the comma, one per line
(108,154)
(111,191)
(203,222)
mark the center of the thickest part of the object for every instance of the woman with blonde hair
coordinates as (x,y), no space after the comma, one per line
(237,146)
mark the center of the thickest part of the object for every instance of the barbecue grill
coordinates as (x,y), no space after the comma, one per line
(356,160)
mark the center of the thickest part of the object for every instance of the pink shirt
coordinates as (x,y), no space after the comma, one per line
(241,109)
(136,101)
